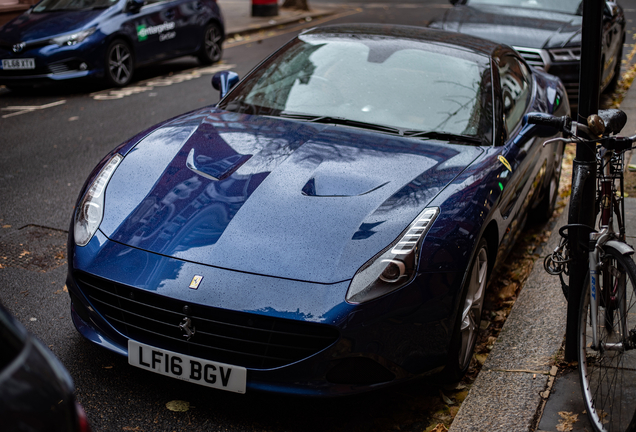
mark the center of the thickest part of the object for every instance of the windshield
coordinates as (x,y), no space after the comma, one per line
(60,5)
(573,7)
(405,84)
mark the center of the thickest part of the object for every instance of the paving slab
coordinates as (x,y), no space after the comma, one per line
(507,392)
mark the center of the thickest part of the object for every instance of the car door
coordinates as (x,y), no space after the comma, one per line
(520,157)
(612,41)
(155,27)
(191,17)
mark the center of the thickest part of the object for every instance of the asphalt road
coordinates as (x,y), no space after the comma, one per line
(50,141)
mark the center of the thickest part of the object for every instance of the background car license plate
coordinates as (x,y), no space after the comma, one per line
(195,370)
(25,63)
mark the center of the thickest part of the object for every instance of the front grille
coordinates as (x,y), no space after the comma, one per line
(58,68)
(572,88)
(534,57)
(238,338)
(66,66)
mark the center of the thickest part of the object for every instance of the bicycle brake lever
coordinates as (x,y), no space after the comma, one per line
(563,140)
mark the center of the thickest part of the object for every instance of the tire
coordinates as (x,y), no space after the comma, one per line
(466,329)
(212,45)
(611,87)
(544,210)
(608,376)
(120,64)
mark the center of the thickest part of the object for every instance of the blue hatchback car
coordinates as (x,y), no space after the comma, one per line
(59,40)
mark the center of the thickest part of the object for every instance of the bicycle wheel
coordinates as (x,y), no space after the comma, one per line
(608,374)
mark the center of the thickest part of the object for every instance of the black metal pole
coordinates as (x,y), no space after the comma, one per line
(584,167)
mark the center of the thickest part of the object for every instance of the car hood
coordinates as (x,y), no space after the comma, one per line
(518,27)
(293,199)
(35,26)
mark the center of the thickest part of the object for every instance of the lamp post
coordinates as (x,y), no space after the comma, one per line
(584,167)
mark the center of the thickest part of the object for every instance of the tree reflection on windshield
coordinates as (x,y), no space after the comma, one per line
(574,7)
(59,5)
(402,83)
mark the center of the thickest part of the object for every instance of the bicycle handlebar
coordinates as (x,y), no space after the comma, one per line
(612,122)
(542,119)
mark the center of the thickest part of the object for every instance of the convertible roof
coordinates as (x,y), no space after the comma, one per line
(372,31)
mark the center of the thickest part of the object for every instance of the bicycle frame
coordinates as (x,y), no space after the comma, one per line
(608,201)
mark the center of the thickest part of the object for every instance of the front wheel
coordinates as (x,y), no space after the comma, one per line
(119,64)
(608,371)
(469,318)
(212,45)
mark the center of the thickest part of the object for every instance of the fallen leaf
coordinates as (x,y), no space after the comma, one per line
(453,411)
(567,421)
(130,428)
(65,289)
(446,399)
(107,367)
(6,226)
(440,428)
(481,358)
(24,253)
(178,406)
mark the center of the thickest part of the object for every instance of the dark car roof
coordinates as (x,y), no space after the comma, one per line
(468,43)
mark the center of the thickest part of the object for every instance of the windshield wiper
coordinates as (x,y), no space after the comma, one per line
(446,136)
(341,121)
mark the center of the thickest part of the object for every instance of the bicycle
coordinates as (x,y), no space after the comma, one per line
(607,313)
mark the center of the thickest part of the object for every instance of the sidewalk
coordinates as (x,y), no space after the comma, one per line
(516,389)
(239,20)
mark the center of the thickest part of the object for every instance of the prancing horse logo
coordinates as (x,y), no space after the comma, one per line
(18,47)
(187,327)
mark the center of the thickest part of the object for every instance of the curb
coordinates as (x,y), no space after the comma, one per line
(510,390)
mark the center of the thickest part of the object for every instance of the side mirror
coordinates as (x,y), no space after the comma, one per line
(224,81)
(610,10)
(135,5)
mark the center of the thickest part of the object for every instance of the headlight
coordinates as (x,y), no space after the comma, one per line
(73,38)
(90,211)
(395,266)
(566,54)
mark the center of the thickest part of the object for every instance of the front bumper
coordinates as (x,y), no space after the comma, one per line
(54,63)
(395,338)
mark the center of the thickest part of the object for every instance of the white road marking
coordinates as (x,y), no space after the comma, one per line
(19,110)
(150,84)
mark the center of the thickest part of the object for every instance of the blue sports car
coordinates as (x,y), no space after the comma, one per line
(58,40)
(328,227)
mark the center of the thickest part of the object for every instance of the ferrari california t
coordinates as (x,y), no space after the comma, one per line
(329,226)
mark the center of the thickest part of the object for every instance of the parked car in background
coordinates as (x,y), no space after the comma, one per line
(329,227)
(36,392)
(547,33)
(58,40)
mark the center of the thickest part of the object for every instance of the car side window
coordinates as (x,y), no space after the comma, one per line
(515,82)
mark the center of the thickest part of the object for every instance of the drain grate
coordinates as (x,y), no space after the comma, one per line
(33,248)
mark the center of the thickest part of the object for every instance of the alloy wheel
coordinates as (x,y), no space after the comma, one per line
(471,312)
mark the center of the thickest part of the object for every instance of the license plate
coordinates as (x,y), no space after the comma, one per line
(192,369)
(24,63)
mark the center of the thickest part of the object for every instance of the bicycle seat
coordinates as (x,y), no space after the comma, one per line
(614,120)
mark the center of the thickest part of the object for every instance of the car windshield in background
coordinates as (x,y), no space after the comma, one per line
(402,83)
(573,7)
(66,5)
